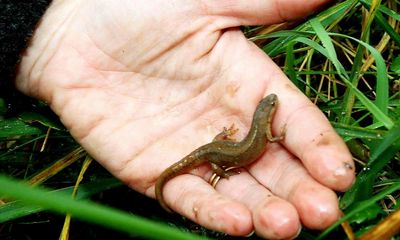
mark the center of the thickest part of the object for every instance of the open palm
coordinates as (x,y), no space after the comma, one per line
(140,84)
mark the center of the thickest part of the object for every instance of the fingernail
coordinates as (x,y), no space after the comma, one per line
(298,232)
(250,234)
(344,169)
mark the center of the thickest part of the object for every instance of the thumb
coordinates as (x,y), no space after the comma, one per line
(257,12)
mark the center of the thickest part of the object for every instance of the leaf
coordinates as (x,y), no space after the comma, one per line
(395,67)
(14,127)
(368,214)
(357,132)
(31,117)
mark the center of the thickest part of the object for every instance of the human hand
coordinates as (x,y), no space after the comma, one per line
(140,84)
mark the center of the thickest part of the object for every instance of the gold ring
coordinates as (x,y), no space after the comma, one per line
(214,179)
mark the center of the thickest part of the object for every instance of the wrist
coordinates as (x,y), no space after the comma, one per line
(30,76)
(18,20)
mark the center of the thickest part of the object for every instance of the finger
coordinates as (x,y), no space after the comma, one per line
(309,135)
(284,175)
(195,199)
(263,12)
(311,138)
(273,217)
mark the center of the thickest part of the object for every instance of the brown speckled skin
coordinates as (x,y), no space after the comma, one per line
(222,154)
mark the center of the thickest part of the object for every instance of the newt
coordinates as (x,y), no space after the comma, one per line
(223,152)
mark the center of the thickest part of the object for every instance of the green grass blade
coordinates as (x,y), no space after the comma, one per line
(34,117)
(382,152)
(283,34)
(349,97)
(361,207)
(89,211)
(384,10)
(327,17)
(395,66)
(382,100)
(327,43)
(14,127)
(17,209)
(289,65)
(390,138)
(357,132)
(386,26)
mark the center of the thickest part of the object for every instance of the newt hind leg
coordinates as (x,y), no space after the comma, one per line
(220,172)
(224,172)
